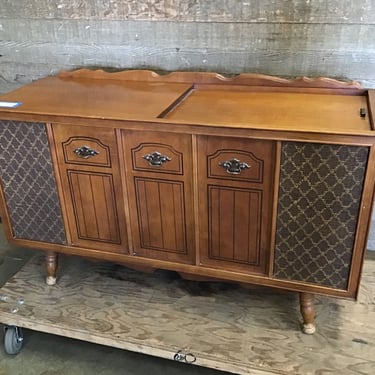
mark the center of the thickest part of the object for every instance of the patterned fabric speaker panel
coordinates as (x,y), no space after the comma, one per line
(319,201)
(28,182)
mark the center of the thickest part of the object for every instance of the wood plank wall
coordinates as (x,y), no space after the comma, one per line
(289,38)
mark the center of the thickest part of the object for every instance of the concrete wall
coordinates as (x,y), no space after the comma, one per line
(289,38)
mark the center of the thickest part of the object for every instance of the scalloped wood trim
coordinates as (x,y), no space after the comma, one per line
(246,79)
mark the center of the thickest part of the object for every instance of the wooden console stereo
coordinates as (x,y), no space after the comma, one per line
(252,179)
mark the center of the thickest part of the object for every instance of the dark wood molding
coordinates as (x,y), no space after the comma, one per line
(248,79)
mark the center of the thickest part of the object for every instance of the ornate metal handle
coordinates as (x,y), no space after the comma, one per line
(234,166)
(85,152)
(156,159)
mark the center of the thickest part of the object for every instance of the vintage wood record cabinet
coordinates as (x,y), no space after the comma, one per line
(253,179)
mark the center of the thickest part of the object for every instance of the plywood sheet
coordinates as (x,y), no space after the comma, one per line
(222,325)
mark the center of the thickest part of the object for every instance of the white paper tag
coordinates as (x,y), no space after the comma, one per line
(9,104)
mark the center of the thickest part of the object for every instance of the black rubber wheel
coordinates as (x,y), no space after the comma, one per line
(13,340)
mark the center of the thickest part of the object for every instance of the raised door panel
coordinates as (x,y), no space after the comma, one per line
(91,185)
(94,206)
(160,194)
(161,215)
(235,202)
(234,224)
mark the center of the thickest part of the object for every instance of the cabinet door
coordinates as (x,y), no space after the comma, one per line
(160,194)
(91,184)
(235,202)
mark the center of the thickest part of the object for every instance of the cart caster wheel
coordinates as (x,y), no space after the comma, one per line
(13,340)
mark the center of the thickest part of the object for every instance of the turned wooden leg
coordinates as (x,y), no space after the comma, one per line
(51,267)
(308,312)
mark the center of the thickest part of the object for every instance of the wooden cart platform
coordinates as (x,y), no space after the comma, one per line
(216,325)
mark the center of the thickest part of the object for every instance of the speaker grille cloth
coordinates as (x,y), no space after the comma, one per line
(319,200)
(28,182)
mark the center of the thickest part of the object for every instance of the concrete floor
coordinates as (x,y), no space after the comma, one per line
(45,354)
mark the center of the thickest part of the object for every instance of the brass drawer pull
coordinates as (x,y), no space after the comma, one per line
(234,166)
(156,158)
(85,152)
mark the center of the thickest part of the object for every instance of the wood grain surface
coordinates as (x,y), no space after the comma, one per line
(53,45)
(334,11)
(288,38)
(222,325)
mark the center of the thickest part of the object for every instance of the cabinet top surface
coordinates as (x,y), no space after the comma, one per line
(159,100)
(104,99)
(275,110)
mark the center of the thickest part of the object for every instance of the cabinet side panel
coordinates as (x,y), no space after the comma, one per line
(28,182)
(319,201)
